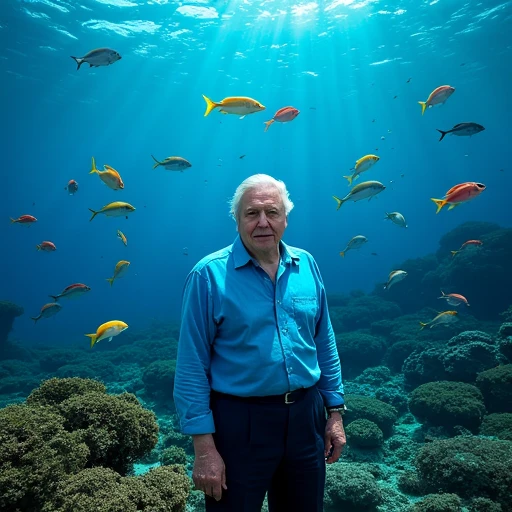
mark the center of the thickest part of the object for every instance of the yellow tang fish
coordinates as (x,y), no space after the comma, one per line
(238,105)
(122,237)
(119,271)
(107,330)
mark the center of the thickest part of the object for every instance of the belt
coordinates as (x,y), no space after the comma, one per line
(285,398)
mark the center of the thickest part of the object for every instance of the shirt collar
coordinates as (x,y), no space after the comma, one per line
(242,257)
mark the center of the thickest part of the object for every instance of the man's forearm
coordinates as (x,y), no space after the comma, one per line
(203,442)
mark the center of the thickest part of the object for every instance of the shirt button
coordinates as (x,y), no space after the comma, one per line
(278,301)
(290,369)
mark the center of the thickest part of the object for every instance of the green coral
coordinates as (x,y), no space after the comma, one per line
(484,505)
(173,455)
(350,488)
(470,466)
(498,425)
(496,386)
(448,404)
(364,434)
(365,407)
(163,489)
(438,503)
(158,378)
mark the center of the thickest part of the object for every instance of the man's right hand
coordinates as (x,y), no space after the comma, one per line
(209,474)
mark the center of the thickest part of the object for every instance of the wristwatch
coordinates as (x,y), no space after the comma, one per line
(336,408)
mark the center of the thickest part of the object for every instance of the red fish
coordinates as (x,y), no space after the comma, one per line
(71,292)
(283,115)
(72,187)
(476,243)
(437,97)
(459,194)
(24,220)
(46,246)
(454,299)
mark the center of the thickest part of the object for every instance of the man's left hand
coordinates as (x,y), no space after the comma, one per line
(335,438)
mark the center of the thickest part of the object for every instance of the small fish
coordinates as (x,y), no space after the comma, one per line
(462,130)
(396,218)
(109,176)
(437,97)
(238,105)
(408,80)
(459,194)
(122,237)
(362,165)
(446,317)
(374,254)
(395,277)
(47,311)
(241,156)
(283,115)
(46,246)
(107,330)
(71,187)
(24,220)
(119,271)
(98,57)
(361,191)
(71,292)
(172,163)
(454,299)
(475,243)
(115,209)
(354,243)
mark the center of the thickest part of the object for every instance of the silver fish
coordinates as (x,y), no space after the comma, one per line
(368,189)
(172,163)
(47,311)
(397,218)
(462,129)
(354,243)
(98,57)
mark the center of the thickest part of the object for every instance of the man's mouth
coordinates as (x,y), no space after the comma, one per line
(262,236)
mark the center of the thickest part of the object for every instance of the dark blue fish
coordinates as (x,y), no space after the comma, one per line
(462,129)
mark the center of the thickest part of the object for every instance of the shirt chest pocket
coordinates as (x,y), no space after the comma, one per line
(305,310)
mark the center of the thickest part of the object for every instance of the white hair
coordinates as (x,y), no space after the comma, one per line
(255,181)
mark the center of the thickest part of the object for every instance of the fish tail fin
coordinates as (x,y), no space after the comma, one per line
(157,162)
(93,214)
(210,105)
(111,280)
(423,325)
(12,220)
(93,339)
(387,217)
(35,318)
(93,166)
(78,61)
(442,134)
(423,106)
(454,253)
(342,254)
(54,297)
(268,123)
(439,203)
(349,178)
(38,247)
(339,201)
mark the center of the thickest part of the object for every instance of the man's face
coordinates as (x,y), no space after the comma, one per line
(262,220)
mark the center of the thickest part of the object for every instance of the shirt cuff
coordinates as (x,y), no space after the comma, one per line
(199,425)
(332,398)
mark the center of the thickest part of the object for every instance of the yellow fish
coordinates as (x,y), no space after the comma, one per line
(238,105)
(115,209)
(363,164)
(109,176)
(122,236)
(119,271)
(445,317)
(107,330)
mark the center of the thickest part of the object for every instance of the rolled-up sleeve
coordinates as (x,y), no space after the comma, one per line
(330,384)
(191,382)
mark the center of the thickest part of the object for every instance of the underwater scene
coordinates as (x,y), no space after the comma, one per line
(128,125)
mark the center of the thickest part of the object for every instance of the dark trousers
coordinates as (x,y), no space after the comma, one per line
(274,448)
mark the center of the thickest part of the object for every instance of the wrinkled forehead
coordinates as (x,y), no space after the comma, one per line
(262,196)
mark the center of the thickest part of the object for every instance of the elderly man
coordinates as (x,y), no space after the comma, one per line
(258,379)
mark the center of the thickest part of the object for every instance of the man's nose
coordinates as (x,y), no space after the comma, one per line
(262,220)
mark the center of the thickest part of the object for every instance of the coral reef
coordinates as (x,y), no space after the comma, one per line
(448,404)
(8,312)
(364,434)
(496,386)
(438,503)
(498,425)
(368,408)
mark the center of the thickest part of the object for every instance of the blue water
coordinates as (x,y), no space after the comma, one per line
(340,63)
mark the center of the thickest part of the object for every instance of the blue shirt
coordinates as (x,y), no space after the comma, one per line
(244,335)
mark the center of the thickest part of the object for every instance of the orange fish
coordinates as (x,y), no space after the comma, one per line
(283,115)
(46,246)
(459,194)
(109,176)
(24,220)
(454,299)
(72,187)
(466,244)
(437,96)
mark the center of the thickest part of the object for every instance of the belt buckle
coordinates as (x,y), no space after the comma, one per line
(286,401)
